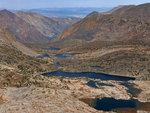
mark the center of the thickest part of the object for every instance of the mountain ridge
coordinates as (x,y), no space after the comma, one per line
(29,27)
(23,31)
(117,26)
(49,27)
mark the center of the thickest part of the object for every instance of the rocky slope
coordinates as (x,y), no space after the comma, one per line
(49,27)
(66,95)
(23,31)
(122,24)
(33,28)
(17,62)
(8,38)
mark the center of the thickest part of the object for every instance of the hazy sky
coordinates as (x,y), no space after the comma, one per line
(30,4)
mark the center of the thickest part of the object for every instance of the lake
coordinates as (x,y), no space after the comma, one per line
(91,75)
(111,104)
(58,65)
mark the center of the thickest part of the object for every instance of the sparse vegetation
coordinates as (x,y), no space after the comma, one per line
(17,69)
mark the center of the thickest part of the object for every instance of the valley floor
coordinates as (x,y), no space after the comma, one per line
(24,89)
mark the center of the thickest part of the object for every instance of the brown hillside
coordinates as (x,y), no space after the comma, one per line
(49,27)
(8,39)
(125,23)
(23,31)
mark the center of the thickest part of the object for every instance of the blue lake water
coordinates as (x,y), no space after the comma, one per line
(92,75)
(109,104)
(51,49)
(58,65)
(65,55)
(92,83)
(131,88)
(105,104)
(45,55)
(95,84)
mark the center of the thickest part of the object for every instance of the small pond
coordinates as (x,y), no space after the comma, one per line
(58,65)
(111,104)
(95,84)
(131,88)
(51,49)
(44,56)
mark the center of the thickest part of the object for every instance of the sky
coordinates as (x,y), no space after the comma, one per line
(33,4)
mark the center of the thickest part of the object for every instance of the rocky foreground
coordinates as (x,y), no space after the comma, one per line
(64,95)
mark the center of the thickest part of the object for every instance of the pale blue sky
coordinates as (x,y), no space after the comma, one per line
(30,4)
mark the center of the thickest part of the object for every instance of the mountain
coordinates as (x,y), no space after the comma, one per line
(23,31)
(120,8)
(34,28)
(7,38)
(122,24)
(49,27)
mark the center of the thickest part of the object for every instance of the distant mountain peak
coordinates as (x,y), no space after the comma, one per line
(146,4)
(5,11)
(23,31)
(93,13)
